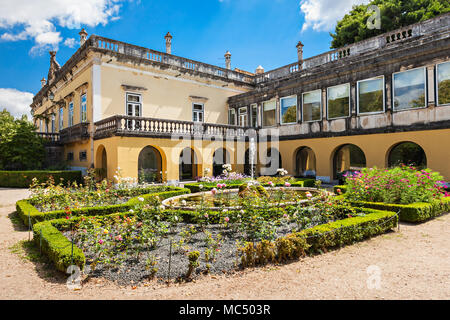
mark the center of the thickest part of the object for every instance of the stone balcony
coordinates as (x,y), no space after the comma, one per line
(78,132)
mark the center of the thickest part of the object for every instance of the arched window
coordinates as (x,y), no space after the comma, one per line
(305,162)
(348,157)
(407,153)
(149,165)
(220,158)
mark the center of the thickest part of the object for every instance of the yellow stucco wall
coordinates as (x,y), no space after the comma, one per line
(168,95)
(376,148)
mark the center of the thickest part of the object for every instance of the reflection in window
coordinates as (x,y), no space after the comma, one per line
(288,109)
(443,79)
(269,113)
(232,117)
(254,115)
(371,95)
(70,114)
(409,89)
(312,104)
(243,117)
(83,108)
(338,99)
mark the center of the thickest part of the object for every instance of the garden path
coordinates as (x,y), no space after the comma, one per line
(414,264)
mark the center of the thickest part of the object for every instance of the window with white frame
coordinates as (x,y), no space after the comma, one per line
(61,118)
(409,89)
(312,106)
(338,101)
(288,110)
(41,127)
(371,95)
(243,117)
(269,113)
(254,115)
(70,122)
(133,109)
(443,83)
(53,123)
(232,116)
(198,112)
(83,108)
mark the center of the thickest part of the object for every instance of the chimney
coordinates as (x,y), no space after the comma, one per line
(228,60)
(168,38)
(43,82)
(83,36)
(300,53)
(259,70)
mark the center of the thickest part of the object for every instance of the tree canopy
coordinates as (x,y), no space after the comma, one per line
(394,14)
(20,147)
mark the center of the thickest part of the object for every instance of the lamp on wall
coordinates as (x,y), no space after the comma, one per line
(51,96)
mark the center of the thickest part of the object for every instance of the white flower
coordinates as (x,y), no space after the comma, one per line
(141,199)
(200,187)
(161,207)
(131,211)
(183,202)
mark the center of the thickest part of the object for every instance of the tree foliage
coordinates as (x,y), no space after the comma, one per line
(394,14)
(20,147)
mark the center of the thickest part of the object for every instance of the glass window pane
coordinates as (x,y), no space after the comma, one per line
(288,108)
(443,78)
(130,110)
(269,113)
(133,98)
(137,110)
(232,117)
(409,89)
(198,107)
(370,95)
(338,101)
(254,115)
(312,104)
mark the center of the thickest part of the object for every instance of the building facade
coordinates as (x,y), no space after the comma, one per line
(161,117)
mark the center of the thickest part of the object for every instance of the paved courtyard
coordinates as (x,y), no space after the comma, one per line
(414,263)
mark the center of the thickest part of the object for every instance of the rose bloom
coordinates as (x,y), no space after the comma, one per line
(100,241)
(227,219)
(287,184)
(214,191)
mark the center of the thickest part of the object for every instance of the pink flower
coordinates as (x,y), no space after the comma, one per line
(206,215)
(100,241)
(119,238)
(214,191)
(227,219)
(287,184)
(270,183)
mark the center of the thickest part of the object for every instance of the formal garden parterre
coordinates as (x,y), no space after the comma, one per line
(130,234)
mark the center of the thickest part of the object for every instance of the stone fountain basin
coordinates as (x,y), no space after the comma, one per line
(167,202)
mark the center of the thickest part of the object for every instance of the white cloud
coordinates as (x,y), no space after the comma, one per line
(38,19)
(16,102)
(70,42)
(322,15)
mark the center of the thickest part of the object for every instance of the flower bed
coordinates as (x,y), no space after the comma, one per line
(30,214)
(136,246)
(208,186)
(418,195)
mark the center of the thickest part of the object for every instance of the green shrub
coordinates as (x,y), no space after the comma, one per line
(30,215)
(56,246)
(319,239)
(23,179)
(415,212)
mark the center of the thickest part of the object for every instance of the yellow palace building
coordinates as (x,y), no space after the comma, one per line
(162,117)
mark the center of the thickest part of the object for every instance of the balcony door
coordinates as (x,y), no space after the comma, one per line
(134,109)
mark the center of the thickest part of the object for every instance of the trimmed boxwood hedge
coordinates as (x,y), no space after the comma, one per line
(207,186)
(27,211)
(50,239)
(414,212)
(319,239)
(56,246)
(22,179)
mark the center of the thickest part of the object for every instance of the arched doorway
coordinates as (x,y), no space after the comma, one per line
(188,165)
(149,165)
(102,163)
(305,162)
(272,163)
(348,157)
(220,157)
(407,153)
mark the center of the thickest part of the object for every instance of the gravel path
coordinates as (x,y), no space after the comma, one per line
(413,263)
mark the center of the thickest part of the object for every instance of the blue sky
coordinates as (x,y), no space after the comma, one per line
(256,32)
